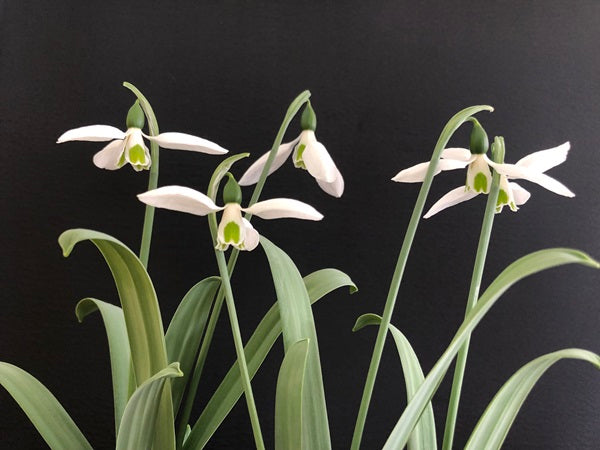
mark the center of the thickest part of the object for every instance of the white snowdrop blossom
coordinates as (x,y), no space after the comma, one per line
(307,153)
(128,147)
(233,228)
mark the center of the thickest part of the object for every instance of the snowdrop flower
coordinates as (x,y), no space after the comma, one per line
(233,228)
(129,147)
(308,154)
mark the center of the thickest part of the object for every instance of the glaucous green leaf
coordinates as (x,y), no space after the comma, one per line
(523,267)
(423,436)
(138,428)
(185,332)
(123,378)
(494,425)
(288,399)
(318,284)
(43,409)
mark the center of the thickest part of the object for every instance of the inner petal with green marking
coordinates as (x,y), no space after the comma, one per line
(231,232)
(137,155)
(480,182)
(298,162)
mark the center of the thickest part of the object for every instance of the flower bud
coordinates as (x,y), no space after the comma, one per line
(135,116)
(479,142)
(308,121)
(232,193)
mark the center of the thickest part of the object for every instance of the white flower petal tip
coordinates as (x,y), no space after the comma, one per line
(182,141)
(253,173)
(179,198)
(93,133)
(278,208)
(318,162)
(454,197)
(251,238)
(545,159)
(335,188)
(414,174)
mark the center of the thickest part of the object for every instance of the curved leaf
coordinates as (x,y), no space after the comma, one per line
(288,400)
(297,323)
(43,409)
(523,267)
(423,435)
(318,284)
(493,426)
(185,332)
(138,426)
(123,379)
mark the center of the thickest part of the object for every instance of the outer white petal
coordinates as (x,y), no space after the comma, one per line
(545,159)
(416,174)
(95,133)
(520,195)
(108,157)
(336,187)
(182,141)
(251,237)
(252,175)
(318,162)
(514,171)
(278,208)
(454,197)
(460,154)
(179,198)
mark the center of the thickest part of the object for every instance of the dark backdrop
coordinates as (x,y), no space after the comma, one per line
(385,78)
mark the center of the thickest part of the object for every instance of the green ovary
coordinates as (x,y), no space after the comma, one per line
(231,232)
(480,182)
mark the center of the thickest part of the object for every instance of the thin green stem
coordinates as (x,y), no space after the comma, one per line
(152,176)
(216,310)
(239,349)
(482,248)
(452,125)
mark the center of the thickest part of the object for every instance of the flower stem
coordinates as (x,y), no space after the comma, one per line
(453,124)
(482,248)
(292,110)
(239,349)
(152,176)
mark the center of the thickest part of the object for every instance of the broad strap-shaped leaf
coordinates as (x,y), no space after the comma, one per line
(288,400)
(523,267)
(318,284)
(423,436)
(185,332)
(141,312)
(494,425)
(43,409)
(123,378)
(297,323)
(139,423)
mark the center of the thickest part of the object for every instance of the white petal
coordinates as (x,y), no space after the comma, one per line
(318,162)
(95,133)
(252,175)
(277,208)
(460,154)
(545,159)
(251,237)
(514,171)
(182,141)
(336,187)
(109,156)
(520,195)
(416,174)
(179,198)
(232,215)
(454,197)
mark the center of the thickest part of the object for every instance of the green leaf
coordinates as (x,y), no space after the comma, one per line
(141,312)
(423,435)
(523,267)
(123,377)
(288,400)
(139,424)
(297,323)
(318,284)
(494,424)
(185,332)
(43,409)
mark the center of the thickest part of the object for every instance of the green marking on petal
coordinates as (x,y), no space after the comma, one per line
(502,198)
(231,232)
(480,182)
(137,155)
(298,162)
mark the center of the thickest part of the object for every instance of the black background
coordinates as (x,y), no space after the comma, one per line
(385,78)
